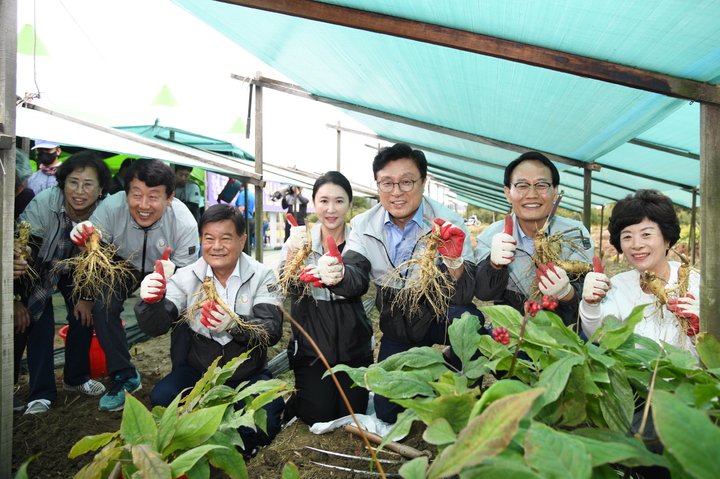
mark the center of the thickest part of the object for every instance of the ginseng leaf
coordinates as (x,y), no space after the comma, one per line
(554,380)
(709,350)
(91,443)
(555,454)
(149,462)
(415,358)
(138,425)
(485,436)
(463,333)
(195,428)
(399,384)
(612,334)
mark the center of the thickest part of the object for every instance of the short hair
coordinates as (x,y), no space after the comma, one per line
(80,161)
(650,204)
(126,163)
(531,156)
(334,178)
(23,169)
(183,167)
(151,172)
(220,212)
(399,151)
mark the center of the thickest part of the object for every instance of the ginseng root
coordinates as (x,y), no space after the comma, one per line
(24,231)
(209,293)
(421,281)
(96,274)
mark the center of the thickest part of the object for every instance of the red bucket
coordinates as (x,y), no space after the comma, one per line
(98,368)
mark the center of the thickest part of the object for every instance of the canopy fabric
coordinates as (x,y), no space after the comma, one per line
(528,106)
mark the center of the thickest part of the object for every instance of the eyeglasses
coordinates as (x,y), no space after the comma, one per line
(404,185)
(77,186)
(540,186)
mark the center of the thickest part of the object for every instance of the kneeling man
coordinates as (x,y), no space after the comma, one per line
(243,284)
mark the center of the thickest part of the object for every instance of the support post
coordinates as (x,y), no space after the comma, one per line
(259,214)
(339,135)
(8,69)
(709,226)
(693,219)
(602,215)
(587,197)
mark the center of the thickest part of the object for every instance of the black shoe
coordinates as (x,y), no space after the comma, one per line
(247,455)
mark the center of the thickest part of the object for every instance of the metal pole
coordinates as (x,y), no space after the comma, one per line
(258,168)
(709,226)
(693,219)
(602,214)
(339,134)
(587,198)
(8,69)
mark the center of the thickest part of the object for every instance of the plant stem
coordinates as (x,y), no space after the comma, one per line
(517,346)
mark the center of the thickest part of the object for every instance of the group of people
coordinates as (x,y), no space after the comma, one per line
(158,235)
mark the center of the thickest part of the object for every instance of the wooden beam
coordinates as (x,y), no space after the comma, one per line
(693,220)
(666,149)
(491,46)
(300,92)
(709,225)
(587,199)
(259,238)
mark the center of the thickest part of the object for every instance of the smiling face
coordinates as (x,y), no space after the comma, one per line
(221,246)
(644,246)
(331,205)
(147,204)
(401,205)
(530,207)
(82,189)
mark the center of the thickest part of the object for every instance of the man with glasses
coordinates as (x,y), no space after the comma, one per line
(387,235)
(505,272)
(48,163)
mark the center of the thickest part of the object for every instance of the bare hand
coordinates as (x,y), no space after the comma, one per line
(21,317)
(83,312)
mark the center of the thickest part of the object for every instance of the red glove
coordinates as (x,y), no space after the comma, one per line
(330,267)
(81,232)
(152,288)
(553,280)
(502,249)
(453,239)
(687,307)
(310,275)
(168,266)
(214,318)
(596,284)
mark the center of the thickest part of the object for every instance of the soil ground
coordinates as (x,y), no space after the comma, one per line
(73,416)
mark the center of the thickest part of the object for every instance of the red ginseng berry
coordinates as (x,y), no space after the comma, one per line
(501,335)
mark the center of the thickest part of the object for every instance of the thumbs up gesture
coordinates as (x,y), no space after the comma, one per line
(596,284)
(330,268)
(502,251)
(168,267)
(298,235)
(152,288)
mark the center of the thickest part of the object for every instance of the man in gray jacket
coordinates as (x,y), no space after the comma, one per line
(244,285)
(386,236)
(141,222)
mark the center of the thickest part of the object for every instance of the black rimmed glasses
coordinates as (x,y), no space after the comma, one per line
(387,186)
(540,186)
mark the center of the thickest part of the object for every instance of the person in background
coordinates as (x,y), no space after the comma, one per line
(118,183)
(505,272)
(245,285)
(48,154)
(142,223)
(240,203)
(187,191)
(338,325)
(83,180)
(296,204)
(23,171)
(643,227)
(386,236)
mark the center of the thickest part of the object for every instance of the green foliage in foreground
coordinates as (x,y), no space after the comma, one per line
(195,431)
(572,410)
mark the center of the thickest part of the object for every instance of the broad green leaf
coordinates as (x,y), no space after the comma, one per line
(195,428)
(498,390)
(185,461)
(267,397)
(218,394)
(608,452)
(91,443)
(356,374)
(259,388)
(414,469)
(399,384)
(617,404)
(554,379)
(676,469)
(709,350)
(227,458)
(486,435)
(195,393)
(705,393)
(604,472)
(401,428)
(138,425)
(574,399)
(201,470)
(100,463)
(611,439)
(556,455)
(454,409)
(588,385)
(676,424)
(290,471)
(149,462)
(463,333)
(476,368)
(422,406)
(22,470)
(499,470)
(168,424)
(439,432)
(503,315)
(414,358)
(612,334)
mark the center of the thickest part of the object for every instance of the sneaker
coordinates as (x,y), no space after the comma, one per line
(18,405)
(88,388)
(114,399)
(38,406)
